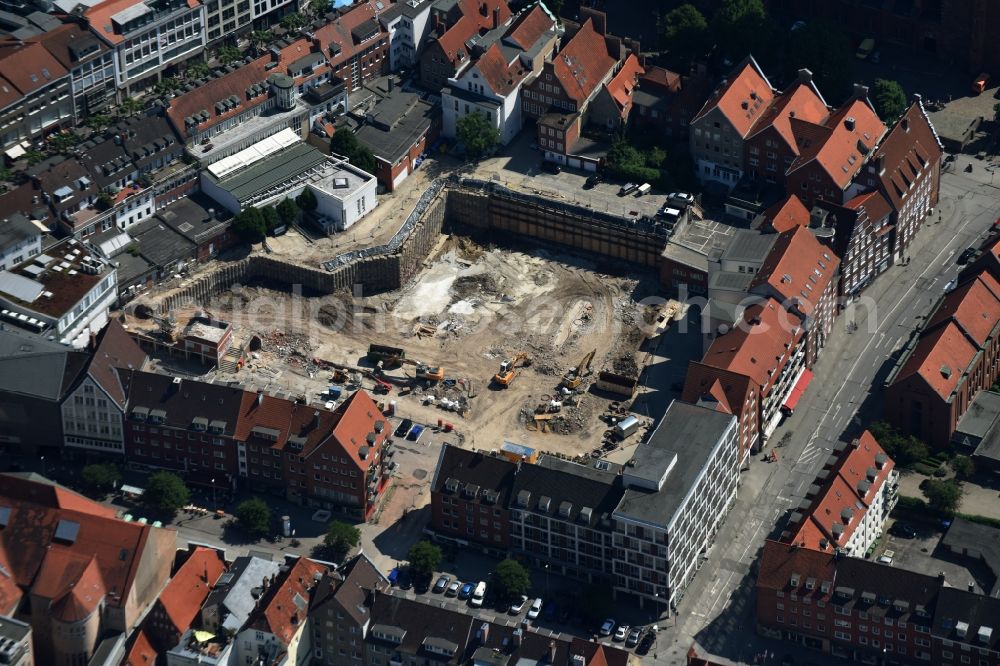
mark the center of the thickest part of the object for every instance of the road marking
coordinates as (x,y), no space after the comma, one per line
(750,544)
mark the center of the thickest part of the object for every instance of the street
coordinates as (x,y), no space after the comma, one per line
(718,609)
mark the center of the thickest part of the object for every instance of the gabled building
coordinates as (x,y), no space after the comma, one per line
(846,508)
(859,231)
(612,106)
(179,604)
(91,66)
(340,612)
(783,216)
(666,101)
(453,24)
(356,44)
(80,572)
(277,632)
(34,95)
(720,128)
(954,356)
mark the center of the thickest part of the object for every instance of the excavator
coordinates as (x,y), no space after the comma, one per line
(574,377)
(505,376)
(423,371)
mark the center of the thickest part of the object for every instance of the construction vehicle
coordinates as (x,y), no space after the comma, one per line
(574,377)
(508,369)
(434,374)
(378,353)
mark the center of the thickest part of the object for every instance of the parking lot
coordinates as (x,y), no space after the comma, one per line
(921,554)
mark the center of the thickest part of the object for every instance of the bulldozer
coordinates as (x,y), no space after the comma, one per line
(508,369)
(574,377)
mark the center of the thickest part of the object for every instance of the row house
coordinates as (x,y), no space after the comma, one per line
(490,82)
(868,612)
(846,508)
(613,104)
(452,26)
(750,372)
(954,356)
(91,66)
(642,527)
(667,102)
(341,611)
(408,25)
(860,231)
(356,45)
(148,36)
(35,95)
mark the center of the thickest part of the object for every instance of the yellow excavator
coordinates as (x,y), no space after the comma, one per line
(574,377)
(508,369)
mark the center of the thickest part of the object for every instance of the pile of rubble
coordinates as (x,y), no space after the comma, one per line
(293,348)
(466,286)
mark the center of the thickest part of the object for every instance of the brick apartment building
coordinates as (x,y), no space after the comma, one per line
(846,508)
(340,611)
(955,355)
(860,231)
(453,25)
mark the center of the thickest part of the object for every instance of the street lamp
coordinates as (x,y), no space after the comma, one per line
(214,507)
(546,567)
(43,465)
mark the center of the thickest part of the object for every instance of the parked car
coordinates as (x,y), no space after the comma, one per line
(621,633)
(643,190)
(680,199)
(608,627)
(551,167)
(466,590)
(966,256)
(904,530)
(592,181)
(415,433)
(442,584)
(453,589)
(478,595)
(627,188)
(518,604)
(645,642)
(403,428)
(865,48)
(886,557)
(535,610)
(633,637)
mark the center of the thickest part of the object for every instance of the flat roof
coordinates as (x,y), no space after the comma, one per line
(694,239)
(748,245)
(397,122)
(985,419)
(271,171)
(679,447)
(51,284)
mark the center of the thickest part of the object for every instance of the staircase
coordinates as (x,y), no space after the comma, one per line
(229,362)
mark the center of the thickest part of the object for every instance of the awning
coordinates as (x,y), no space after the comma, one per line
(797,391)
(17,151)
(132,490)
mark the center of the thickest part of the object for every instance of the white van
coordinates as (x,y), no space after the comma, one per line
(643,190)
(478,595)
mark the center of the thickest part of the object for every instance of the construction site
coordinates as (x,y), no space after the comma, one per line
(488,334)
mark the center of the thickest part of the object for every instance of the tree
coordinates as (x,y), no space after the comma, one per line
(33,156)
(307,200)
(889,98)
(249,225)
(943,496)
(270,217)
(478,134)
(317,7)
(196,70)
(98,121)
(345,143)
(824,49)
(259,39)
(625,161)
(254,516)
(511,580)
(739,25)
(963,466)
(166,491)
(424,558)
(228,54)
(129,107)
(555,6)
(288,211)
(293,21)
(101,476)
(904,450)
(685,35)
(341,537)
(104,201)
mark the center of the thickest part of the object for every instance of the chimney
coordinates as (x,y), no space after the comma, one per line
(971,586)
(805,75)
(516,638)
(260,397)
(92,345)
(940,576)
(496,17)
(849,123)
(860,91)
(390,85)
(265,583)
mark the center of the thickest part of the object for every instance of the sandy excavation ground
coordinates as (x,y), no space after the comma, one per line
(468,309)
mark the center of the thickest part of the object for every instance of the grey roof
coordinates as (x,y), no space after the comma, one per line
(237,597)
(132,268)
(475,468)
(980,420)
(395,124)
(748,245)
(678,450)
(271,171)
(196,217)
(977,611)
(348,588)
(37,367)
(730,281)
(159,243)
(579,485)
(980,542)
(184,402)
(420,621)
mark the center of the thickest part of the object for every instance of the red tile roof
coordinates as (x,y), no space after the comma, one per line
(59,40)
(974,306)
(874,204)
(28,66)
(452,42)
(99,17)
(779,561)
(204,97)
(481,11)
(940,358)
(529,28)
(802,101)
(799,268)
(142,652)
(8,94)
(282,610)
(743,100)
(787,214)
(851,134)
(620,87)
(583,63)
(664,79)
(908,148)
(183,596)
(339,30)
(729,389)
(501,76)
(358,416)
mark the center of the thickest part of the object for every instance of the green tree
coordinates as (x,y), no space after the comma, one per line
(34,156)
(963,466)
(625,161)
(904,450)
(166,491)
(824,49)
(739,25)
(943,496)
(317,7)
(685,35)
(101,476)
(342,537)
(6,174)
(228,54)
(254,516)
(345,143)
(259,39)
(104,201)
(555,6)
(307,200)
(270,216)
(249,225)
(293,21)
(478,134)
(98,121)
(129,107)
(511,580)
(889,99)
(196,70)
(424,558)
(288,211)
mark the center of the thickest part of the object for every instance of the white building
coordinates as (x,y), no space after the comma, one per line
(62,295)
(679,486)
(282,166)
(20,239)
(408,25)
(846,508)
(148,36)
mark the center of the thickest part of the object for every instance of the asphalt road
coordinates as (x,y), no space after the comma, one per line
(718,609)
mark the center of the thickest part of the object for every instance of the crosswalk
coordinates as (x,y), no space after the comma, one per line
(811,454)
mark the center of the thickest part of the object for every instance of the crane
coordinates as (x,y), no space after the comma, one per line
(574,377)
(505,375)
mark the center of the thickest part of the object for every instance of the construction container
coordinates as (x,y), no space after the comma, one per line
(626,427)
(392,408)
(518,452)
(334,391)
